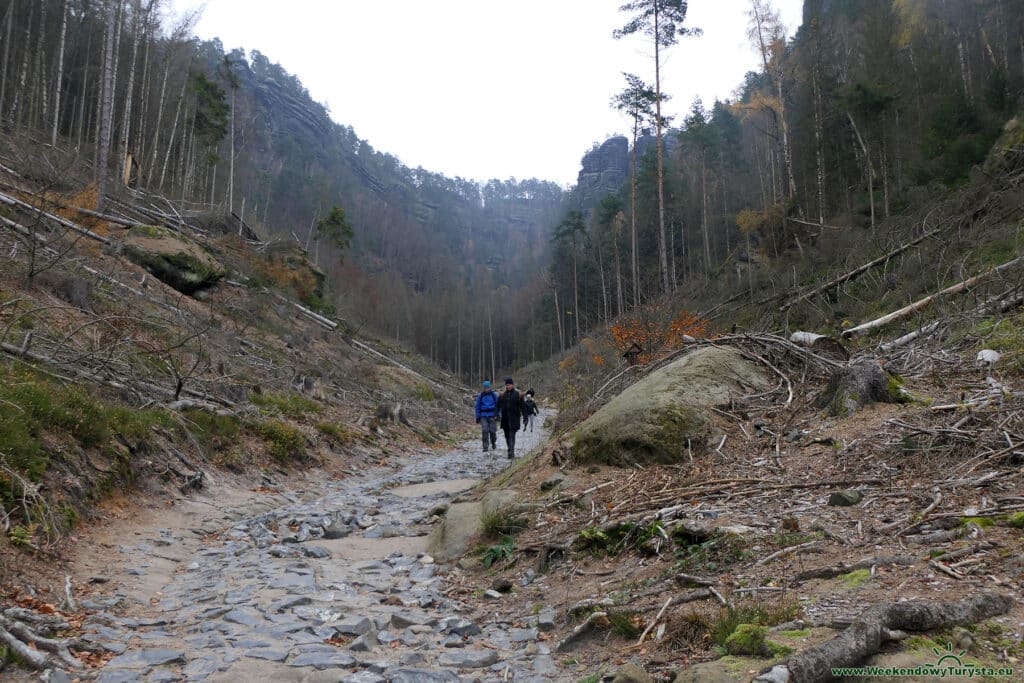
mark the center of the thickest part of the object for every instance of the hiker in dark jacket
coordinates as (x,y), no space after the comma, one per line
(531,410)
(486,416)
(511,410)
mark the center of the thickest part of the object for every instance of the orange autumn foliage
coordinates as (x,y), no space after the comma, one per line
(653,335)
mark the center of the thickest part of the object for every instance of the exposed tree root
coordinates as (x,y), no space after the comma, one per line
(38,650)
(881,623)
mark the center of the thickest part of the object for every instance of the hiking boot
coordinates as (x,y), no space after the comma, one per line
(511,455)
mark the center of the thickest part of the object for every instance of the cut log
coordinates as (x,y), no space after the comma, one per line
(928,300)
(822,344)
(881,623)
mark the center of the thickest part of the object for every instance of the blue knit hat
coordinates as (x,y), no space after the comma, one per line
(487,384)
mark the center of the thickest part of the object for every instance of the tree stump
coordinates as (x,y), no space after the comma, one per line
(861,382)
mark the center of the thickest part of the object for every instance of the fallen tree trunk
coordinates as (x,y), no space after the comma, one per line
(11,201)
(998,304)
(843,568)
(831,284)
(879,624)
(927,301)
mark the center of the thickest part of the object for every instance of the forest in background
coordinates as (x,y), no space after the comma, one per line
(445,265)
(871,110)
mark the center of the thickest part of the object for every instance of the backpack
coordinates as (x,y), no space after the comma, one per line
(488,402)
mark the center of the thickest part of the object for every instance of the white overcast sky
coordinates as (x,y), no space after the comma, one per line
(479,88)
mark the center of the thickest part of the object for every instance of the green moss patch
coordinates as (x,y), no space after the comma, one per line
(337,434)
(33,406)
(662,418)
(289,405)
(856,578)
(284,442)
(1016,520)
(173,259)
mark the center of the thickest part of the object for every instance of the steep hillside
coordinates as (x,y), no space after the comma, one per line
(142,352)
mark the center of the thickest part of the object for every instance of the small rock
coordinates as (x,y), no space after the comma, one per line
(404,619)
(593,469)
(324,660)
(845,498)
(53,676)
(270,654)
(546,620)
(502,585)
(777,674)
(421,675)
(493,594)
(460,627)
(468,659)
(552,482)
(316,552)
(962,638)
(631,673)
(523,635)
(353,626)
(364,643)
(140,659)
(364,677)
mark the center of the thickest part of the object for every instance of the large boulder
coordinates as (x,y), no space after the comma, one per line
(173,258)
(453,537)
(657,419)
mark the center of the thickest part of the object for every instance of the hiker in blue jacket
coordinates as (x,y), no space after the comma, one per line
(486,415)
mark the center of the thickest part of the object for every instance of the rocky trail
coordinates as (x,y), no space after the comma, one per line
(337,587)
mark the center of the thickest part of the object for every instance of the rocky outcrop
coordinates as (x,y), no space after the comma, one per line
(662,418)
(173,258)
(604,169)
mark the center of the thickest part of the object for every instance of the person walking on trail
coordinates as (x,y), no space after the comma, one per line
(511,411)
(486,416)
(531,410)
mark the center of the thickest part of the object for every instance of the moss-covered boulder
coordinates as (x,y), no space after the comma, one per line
(173,258)
(665,414)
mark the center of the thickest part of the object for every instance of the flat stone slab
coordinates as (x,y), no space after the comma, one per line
(421,676)
(322,660)
(271,654)
(143,659)
(433,488)
(468,659)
